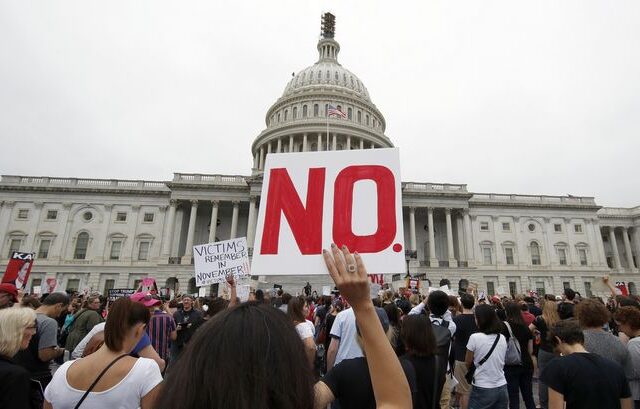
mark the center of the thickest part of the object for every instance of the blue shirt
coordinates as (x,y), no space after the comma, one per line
(142,344)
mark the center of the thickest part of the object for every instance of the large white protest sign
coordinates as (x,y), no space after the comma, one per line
(214,261)
(312,199)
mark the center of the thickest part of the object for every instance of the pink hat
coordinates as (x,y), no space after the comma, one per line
(145,299)
(9,289)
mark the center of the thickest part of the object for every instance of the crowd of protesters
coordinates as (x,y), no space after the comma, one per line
(350,349)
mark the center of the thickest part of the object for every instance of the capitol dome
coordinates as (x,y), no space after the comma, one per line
(301,120)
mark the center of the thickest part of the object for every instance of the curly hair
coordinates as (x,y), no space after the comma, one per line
(628,316)
(592,314)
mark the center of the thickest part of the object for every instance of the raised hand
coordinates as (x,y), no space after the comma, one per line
(231,280)
(349,274)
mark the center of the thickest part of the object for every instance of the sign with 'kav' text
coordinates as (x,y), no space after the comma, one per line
(312,199)
(214,261)
(18,269)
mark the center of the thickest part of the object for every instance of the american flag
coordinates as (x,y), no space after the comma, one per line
(333,111)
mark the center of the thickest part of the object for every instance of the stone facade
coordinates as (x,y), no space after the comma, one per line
(102,233)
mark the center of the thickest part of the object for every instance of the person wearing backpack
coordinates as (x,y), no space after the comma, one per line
(518,368)
(485,357)
(443,329)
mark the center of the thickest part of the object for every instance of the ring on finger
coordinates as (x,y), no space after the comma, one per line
(351,268)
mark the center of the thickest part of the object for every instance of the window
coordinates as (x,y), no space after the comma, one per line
(143,252)
(286,114)
(349,113)
(294,113)
(52,214)
(73,284)
(562,256)
(87,216)
(304,111)
(513,289)
(108,285)
(116,246)
(367,120)
(506,226)
(278,116)
(508,252)
(587,289)
(36,282)
(566,284)
(137,282)
(316,110)
(14,246)
(557,228)
(540,289)
(359,117)
(577,228)
(337,78)
(486,254)
(535,254)
(82,242)
(23,214)
(582,253)
(148,217)
(531,227)
(609,262)
(121,217)
(491,288)
(484,226)
(43,249)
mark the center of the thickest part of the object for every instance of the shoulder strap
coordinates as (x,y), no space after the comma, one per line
(483,360)
(93,385)
(75,319)
(516,342)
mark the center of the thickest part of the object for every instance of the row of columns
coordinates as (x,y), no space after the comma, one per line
(215,204)
(331,143)
(614,247)
(433,260)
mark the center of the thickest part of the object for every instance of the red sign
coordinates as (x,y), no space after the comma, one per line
(18,269)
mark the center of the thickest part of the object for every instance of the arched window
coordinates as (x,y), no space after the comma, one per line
(359,117)
(337,77)
(316,110)
(374,122)
(278,116)
(82,243)
(295,113)
(304,111)
(286,114)
(367,120)
(319,74)
(535,254)
(328,75)
(314,147)
(344,78)
(349,113)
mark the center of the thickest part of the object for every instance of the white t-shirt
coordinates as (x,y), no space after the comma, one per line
(305,329)
(491,373)
(126,394)
(344,328)
(79,349)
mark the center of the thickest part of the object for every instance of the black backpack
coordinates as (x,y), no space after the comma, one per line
(443,347)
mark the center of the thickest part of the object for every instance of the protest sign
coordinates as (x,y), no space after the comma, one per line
(115,293)
(214,261)
(148,285)
(37,290)
(312,199)
(52,285)
(18,269)
(374,289)
(326,290)
(242,291)
(622,286)
(500,291)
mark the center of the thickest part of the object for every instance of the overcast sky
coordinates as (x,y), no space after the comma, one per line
(531,97)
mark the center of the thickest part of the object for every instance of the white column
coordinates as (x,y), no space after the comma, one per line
(599,243)
(593,243)
(334,142)
(214,221)
(168,236)
(268,148)
(304,143)
(549,253)
(412,228)
(279,148)
(188,251)
(361,143)
(319,142)
(433,260)
(450,250)
(627,248)
(255,160)
(468,236)
(290,143)
(251,222)
(614,247)
(261,159)
(234,220)
(31,238)
(373,145)
(348,142)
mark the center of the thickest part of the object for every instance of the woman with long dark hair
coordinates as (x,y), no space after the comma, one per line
(519,376)
(420,344)
(486,351)
(297,311)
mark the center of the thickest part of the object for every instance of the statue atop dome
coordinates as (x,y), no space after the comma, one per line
(328,25)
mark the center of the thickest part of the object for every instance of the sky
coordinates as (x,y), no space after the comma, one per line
(505,96)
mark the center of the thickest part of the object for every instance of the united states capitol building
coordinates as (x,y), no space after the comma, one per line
(108,233)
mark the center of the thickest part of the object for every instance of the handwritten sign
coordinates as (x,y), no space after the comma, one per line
(242,291)
(115,293)
(312,199)
(214,261)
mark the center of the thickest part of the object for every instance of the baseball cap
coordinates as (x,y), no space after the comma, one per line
(145,299)
(382,316)
(9,289)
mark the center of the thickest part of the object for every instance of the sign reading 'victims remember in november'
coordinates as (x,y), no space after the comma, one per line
(312,199)
(214,261)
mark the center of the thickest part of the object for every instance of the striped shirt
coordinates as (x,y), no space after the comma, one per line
(160,327)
